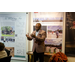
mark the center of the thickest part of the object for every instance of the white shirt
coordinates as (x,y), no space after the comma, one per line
(37,33)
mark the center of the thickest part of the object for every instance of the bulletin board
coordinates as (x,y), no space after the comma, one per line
(52,23)
(12,33)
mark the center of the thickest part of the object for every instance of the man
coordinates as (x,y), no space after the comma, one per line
(57,33)
(38,37)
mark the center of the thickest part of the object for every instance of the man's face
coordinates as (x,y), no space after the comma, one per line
(37,27)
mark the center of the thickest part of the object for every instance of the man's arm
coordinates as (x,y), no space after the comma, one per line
(28,37)
(41,38)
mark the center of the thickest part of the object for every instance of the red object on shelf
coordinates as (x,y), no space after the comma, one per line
(59,57)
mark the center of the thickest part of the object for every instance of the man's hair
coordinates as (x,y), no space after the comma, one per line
(2,46)
(39,24)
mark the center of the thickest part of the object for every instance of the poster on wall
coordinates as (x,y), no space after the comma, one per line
(70,34)
(52,23)
(12,33)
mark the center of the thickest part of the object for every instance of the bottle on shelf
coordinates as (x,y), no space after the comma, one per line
(60,50)
(49,50)
(55,50)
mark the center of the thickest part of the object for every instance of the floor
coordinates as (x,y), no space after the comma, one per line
(14,60)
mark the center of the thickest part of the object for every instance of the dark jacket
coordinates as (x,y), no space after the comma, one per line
(7,51)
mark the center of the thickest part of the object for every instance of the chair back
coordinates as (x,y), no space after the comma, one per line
(6,59)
